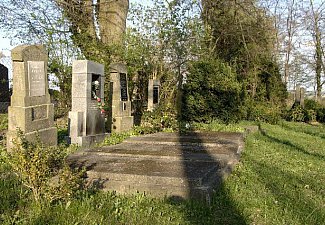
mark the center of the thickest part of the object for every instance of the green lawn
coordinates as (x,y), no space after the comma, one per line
(280,180)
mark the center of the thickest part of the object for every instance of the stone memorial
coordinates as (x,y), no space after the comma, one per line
(120,118)
(300,95)
(31,109)
(4,89)
(153,93)
(87,118)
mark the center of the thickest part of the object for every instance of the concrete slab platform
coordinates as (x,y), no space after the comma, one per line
(164,164)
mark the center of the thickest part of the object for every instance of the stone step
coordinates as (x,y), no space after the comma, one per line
(187,138)
(137,149)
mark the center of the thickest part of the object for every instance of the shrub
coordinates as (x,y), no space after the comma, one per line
(319,110)
(43,170)
(3,122)
(264,112)
(296,114)
(161,119)
(211,92)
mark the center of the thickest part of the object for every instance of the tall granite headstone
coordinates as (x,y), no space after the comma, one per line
(4,89)
(300,95)
(120,112)
(31,110)
(87,122)
(153,93)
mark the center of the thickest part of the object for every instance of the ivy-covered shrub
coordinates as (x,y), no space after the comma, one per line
(211,92)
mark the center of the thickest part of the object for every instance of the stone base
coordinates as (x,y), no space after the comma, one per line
(178,166)
(47,136)
(120,124)
(90,140)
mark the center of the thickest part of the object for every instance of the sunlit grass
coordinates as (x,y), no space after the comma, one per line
(280,180)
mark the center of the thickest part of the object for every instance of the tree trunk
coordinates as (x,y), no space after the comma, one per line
(96,25)
(112,20)
(318,52)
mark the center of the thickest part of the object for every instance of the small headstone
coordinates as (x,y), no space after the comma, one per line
(153,93)
(31,109)
(120,118)
(87,118)
(4,89)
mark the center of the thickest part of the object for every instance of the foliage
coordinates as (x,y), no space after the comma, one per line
(241,35)
(316,110)
(162,38)
(43,170)
(269,112)
(161,119)
(211,92)
(116,138)
(311,112)
(3,122)
(296,113)
(219,126)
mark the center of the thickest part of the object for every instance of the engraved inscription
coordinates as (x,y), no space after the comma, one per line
(39,112)
(124,89)
(36,78)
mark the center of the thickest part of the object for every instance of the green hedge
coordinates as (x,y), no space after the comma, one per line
(211,92)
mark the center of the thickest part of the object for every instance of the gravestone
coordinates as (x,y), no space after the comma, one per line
(4,89)
(300,95)
(153,93)
(120,112)
(87,121)
(31,110)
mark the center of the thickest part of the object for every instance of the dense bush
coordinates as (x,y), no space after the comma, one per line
(161,119)
(296,113)
(319,110)
(211,92)
(311,112)
(267,111)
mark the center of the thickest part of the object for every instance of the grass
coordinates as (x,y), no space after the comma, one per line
(280,180)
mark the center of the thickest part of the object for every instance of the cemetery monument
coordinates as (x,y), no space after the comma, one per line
(87,116)
(120,112)
(31,110)
(153,93)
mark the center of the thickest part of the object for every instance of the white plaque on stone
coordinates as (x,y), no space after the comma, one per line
(36,77)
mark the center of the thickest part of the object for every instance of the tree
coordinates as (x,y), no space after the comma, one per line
(30,22)
(243,35)
(97,27)
(169,35)
(314,16)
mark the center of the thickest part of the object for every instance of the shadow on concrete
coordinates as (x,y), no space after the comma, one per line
(92,185)
(216,207)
